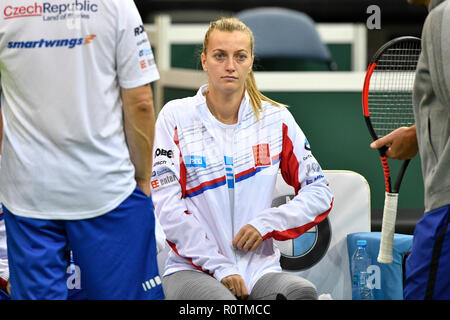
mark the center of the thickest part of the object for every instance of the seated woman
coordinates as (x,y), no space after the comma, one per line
(216,158)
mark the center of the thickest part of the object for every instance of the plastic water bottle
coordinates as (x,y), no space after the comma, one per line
(360,262)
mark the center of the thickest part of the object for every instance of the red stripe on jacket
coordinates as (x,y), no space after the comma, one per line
(296,232)
(243,173)
(289,164)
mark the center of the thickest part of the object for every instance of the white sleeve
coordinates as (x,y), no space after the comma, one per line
(134,56)
(313,200)
(184,233)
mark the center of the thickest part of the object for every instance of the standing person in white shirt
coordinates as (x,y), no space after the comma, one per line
(78,125)
(216,161)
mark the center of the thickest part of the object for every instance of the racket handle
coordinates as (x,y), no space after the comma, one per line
(388,228)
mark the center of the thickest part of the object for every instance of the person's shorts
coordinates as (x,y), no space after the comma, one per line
(116,254)
(427,267)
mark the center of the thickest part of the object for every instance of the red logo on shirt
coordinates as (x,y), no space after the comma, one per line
(155,184)
(261,155)
(143,64)
(89,38)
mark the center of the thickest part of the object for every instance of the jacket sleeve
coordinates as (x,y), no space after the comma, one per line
(183,231)
(313,200)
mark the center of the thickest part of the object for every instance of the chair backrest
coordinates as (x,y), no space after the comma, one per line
(350,214)
(285,33)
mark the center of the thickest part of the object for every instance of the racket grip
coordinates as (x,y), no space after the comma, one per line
(388,228)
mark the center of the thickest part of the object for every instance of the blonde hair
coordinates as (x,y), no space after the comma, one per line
(230,25)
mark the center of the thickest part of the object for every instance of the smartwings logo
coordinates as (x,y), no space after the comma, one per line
(51,11)
(44,43)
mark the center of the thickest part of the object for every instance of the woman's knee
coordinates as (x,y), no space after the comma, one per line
(192,285)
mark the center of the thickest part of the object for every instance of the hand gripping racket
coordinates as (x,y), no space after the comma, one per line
(387,105)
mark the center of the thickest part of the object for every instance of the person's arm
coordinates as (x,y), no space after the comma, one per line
(402,143)
(136,68)
(313,200)
(139,123)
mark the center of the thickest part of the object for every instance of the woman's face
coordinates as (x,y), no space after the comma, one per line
(228,60)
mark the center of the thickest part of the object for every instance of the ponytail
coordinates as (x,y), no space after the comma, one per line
(256,97)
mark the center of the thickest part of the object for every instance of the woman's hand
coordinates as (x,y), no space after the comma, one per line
(235,283)
(247,239)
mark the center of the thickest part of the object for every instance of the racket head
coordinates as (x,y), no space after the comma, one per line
(387,92)
(388,86)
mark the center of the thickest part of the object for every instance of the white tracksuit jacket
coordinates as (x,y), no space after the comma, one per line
(191,196)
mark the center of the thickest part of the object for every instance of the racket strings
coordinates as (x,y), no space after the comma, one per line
(391,86)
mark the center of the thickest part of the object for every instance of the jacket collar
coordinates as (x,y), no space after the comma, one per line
(200,102)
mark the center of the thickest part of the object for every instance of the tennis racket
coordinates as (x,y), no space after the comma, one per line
(387,105)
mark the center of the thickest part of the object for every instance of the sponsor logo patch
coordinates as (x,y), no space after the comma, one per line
(307,145)
(163,152)
(195,161)
(261,155)
(50,43)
